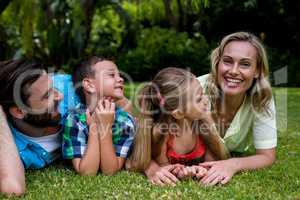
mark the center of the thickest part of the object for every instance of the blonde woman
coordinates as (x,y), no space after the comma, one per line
(242,107)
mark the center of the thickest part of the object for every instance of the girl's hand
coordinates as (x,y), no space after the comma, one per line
(186,172)
(164,176)
(178,170)
(200,171)
(192,171)
(219,172)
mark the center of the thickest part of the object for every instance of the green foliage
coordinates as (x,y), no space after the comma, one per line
(158,48)
(11,22)
(61,31)
(27,28)
(107,31)
(151,11)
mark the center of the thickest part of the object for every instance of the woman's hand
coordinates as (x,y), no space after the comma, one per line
(219,171)
(222,171)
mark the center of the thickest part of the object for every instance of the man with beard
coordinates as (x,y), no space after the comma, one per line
(33,103)
(33,107)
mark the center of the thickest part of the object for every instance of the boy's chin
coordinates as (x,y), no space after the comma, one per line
(118,97)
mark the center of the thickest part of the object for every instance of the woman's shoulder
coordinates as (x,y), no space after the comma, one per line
(203,79)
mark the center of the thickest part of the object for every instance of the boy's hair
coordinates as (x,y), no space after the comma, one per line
(156,100)
(13,71)
(82,70)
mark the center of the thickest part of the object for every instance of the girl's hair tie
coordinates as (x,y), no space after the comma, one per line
(160,98)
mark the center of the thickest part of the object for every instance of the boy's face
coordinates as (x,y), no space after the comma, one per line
(107,80)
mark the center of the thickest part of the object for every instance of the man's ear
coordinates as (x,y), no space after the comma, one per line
(177,114)
(88,85)
(17,112)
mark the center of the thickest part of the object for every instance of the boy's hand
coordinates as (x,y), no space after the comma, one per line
(90,119)
(105,113)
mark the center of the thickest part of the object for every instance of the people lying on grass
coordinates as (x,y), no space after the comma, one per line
(243,109)
(33,104)
(97,134)
(30,103)
(174,127)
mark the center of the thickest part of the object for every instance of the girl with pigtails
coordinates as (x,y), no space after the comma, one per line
(175,129)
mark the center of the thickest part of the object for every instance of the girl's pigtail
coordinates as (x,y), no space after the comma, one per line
(141,154)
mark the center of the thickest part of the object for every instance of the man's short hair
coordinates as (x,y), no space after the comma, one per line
(10,72)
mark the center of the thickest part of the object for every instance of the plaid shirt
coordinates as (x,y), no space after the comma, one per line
(76,130)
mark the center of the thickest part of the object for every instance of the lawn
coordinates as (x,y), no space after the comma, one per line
(281,181)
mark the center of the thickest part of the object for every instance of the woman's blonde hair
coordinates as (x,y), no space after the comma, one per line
(156,100)
(260,92)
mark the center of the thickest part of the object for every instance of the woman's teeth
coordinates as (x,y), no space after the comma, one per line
(233,82)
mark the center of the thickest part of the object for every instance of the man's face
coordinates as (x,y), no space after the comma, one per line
(43,102)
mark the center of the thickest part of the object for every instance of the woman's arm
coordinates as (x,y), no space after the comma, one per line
(262,158)
(222,171)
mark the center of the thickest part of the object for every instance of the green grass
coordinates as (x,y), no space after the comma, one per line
(281,181)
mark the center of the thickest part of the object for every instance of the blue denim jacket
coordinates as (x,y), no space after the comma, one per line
(32,154)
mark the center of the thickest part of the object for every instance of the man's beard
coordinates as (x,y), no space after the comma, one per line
(42,120)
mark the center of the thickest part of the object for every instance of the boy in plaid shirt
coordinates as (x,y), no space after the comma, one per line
(97,134)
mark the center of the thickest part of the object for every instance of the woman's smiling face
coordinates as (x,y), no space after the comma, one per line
(237,68)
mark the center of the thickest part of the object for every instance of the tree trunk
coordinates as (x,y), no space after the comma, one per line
(181,16)
(89,8)
(169,14)
(129,37)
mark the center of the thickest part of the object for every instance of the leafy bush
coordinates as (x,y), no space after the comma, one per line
(159,48)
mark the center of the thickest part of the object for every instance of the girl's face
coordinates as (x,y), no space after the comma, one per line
(237,68)
(197,102)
